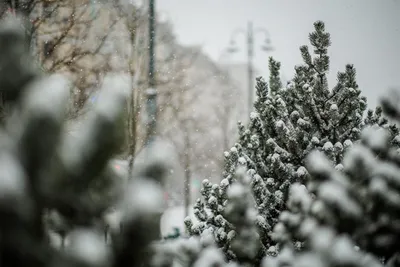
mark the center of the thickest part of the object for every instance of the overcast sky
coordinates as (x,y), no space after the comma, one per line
(364,32)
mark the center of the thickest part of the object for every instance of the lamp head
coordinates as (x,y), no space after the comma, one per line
(267,45)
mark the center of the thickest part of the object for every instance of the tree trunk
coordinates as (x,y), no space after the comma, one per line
(188,174)
(132,137)
(187,186)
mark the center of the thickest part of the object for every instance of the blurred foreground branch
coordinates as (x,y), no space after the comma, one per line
(45,173)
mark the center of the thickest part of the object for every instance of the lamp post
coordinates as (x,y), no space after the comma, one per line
(250,33)
(151,92)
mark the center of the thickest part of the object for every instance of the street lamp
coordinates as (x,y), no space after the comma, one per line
(266,46)
(151,92)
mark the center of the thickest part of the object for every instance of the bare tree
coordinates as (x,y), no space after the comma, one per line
(72,37)
(192,121)
(135,20)
(226,111)
(171,60)
(184,128)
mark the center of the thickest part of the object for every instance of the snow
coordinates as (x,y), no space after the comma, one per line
(284,216)
(275,157)
(56,87)
(278,194)
(280,102)
(376,137)
(334,107)
(224,183)
(280,124)
(261,221)
(212,200)
(270,181)
(298,193)
(251,172)
(221,233)
(210,256)
(352,159)
(336,195)
(231,235)
(254,115)
(192,244)
(12,179)
(56,221)
(343,251)
(339,167)
(270,142)
(174,218)
(219,219)
(321,239)
(272,250)
(295,114)
(56,240)
(328,147)
(205,182)
(142,197)
(89,247)
(290,85)
(378,186)
(317,162)
(306,86)
(279,229)
(242,160)
(315,140)
(308,226)
(317,207)
(207,237)
(301,171)
(310,260)
(348,143)
(338,146)
(12,24)
(286,256)
(235,191)
(113,219)
(397,139)
(257,178)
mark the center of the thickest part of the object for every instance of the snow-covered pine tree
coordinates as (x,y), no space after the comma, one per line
(325,248)
(287,124)
(300,201)
(362,201)
(246,248)
(324,245)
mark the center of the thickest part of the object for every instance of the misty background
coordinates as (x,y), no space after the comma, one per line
(364,33)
